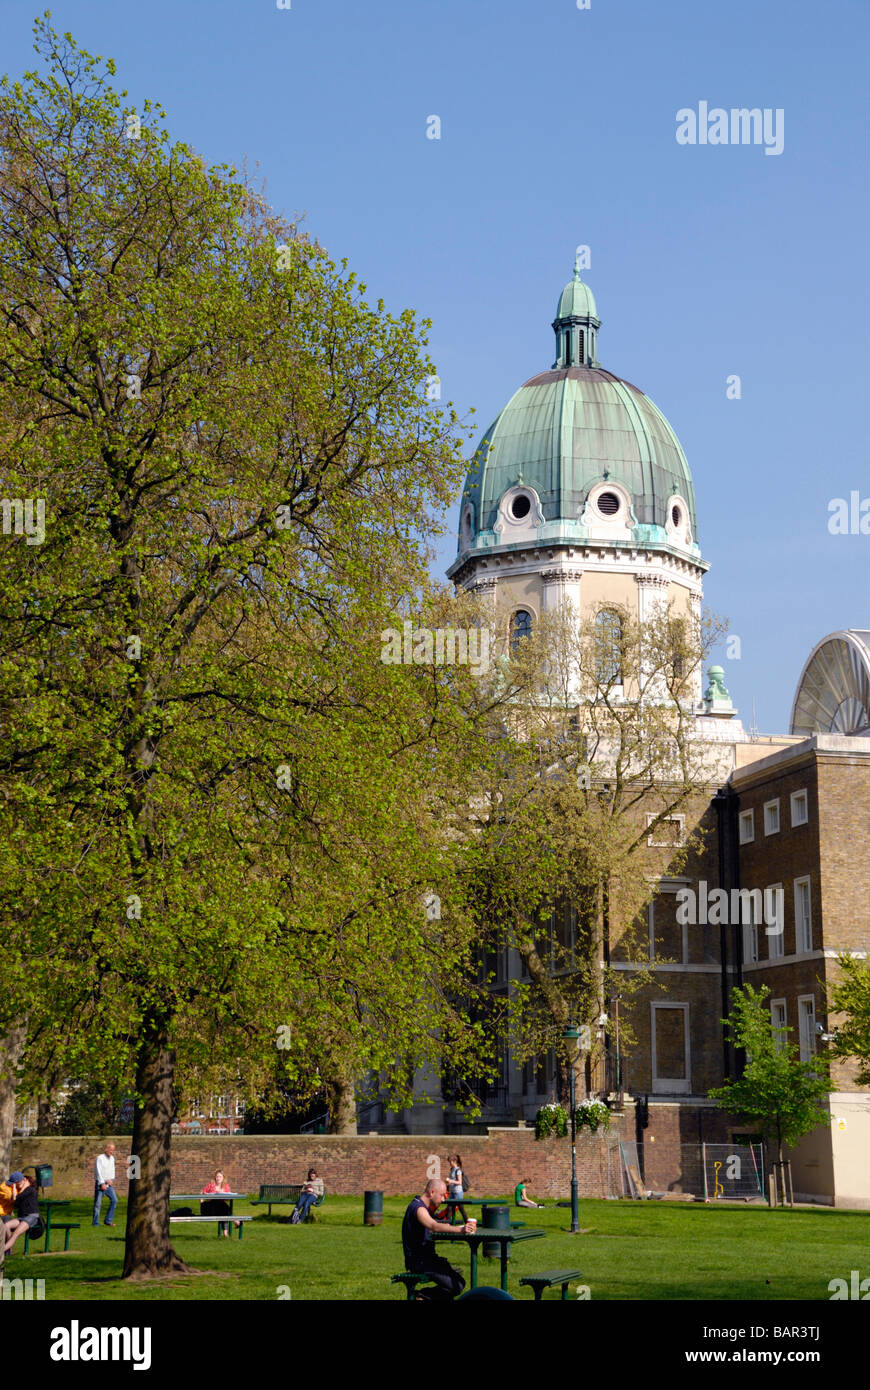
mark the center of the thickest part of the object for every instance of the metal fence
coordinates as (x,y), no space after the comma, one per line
(705,1172)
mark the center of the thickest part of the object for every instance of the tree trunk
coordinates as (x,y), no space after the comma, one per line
(148,1250)
(341,1097)
(43,1115)
(11,1053)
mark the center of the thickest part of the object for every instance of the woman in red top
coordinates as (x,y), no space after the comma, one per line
(218,1184)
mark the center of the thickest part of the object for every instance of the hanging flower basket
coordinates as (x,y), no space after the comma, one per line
(551,1119)
(592,1114)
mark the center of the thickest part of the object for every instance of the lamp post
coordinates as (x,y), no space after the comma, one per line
(571,1035)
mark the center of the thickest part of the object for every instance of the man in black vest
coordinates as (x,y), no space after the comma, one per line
(420,1257)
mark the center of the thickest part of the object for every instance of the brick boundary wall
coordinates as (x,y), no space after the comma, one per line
(393,1164)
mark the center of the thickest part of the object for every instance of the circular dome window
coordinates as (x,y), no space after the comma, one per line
(676,516)
(607,503)
(520,506)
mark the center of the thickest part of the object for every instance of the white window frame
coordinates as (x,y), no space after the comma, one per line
(803,925)
(746,818)
(779,1025)
(750,937)
(804,819)
(807,1026)
(775,940)
(668,820)
(772,806)
(664,1085)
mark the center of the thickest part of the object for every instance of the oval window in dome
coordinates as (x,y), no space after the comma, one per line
(520,506)
(607,503)
(676,516)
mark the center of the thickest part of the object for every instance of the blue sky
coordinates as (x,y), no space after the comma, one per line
(558,129)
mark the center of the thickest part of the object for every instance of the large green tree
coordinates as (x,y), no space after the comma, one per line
(777,1091)
(220,808)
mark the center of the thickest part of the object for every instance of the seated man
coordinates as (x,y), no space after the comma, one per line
(522,1198)
(420,1256)
(311,1190)
(26,1208)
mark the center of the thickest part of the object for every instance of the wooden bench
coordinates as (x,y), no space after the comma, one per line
(282,1194)
(65,1226)
(224,1220)
(411,1282)
(549,1279)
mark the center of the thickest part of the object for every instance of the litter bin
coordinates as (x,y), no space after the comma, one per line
(373,1208)
(495,1219)
(44,1175)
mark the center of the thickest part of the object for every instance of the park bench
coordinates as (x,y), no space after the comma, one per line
(282,1194)
(65,1226)
(549,1279)
(223,1220)
(411,1282)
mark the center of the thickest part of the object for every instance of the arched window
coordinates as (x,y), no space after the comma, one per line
(521,626)
(608,634)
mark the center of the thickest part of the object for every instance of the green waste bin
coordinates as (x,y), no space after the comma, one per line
(44,1175)
(495,1218)
(373,1208)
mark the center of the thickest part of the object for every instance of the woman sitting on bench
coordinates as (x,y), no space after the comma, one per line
(218,1184)
(311,1190)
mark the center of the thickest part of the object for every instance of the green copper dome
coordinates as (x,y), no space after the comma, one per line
(576,300)
(566,432)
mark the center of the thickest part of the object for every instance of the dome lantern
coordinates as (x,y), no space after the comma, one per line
(576,325)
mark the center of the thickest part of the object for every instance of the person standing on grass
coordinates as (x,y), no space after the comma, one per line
(104,1185)
(456,1183)
(420,1257)
(311,1190)
(26,1210)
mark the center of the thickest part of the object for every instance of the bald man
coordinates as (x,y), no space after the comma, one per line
(420,1256)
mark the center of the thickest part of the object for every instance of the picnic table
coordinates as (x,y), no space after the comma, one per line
(475,1240)
(46,1207)
(209,1197)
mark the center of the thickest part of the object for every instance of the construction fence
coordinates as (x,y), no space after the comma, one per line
(701,1172)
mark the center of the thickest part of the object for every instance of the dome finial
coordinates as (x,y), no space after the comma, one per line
(577,275)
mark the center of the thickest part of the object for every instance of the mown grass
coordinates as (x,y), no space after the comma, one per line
(631,1250)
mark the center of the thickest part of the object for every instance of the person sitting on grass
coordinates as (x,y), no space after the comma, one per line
(26,1209)
(521,1196)
(311,1190)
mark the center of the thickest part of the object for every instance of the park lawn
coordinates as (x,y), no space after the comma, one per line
(633,1250)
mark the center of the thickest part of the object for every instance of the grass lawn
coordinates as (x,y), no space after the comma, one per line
(633,1250)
